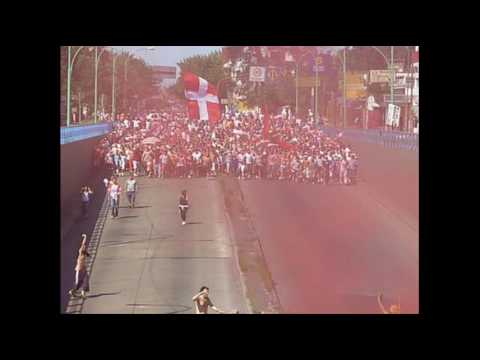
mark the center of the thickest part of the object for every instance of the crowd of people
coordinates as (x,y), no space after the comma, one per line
(173,145)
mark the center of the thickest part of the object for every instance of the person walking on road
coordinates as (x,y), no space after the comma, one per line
(81,275)
(202,302)
(131,191)
(183,206)
(85,196)
(114,194)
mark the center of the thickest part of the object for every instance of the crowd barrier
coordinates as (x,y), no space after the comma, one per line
(389,139)
(76,133)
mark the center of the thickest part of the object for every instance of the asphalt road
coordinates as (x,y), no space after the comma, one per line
(147,262)
(329,249)
(332,249)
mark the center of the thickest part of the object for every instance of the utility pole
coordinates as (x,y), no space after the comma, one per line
(344,87)
(316,90)
(113,89)
(392,79)
(69,50)
(296,89)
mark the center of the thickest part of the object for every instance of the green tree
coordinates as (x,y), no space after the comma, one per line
(208,67)
(139,84)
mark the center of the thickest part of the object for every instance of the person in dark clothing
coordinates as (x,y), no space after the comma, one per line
(183,206)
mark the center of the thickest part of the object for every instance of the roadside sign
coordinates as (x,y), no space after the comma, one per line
(257,73)
(393,115)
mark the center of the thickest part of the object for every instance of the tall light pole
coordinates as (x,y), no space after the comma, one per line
(97,60)
(296,83)
(344,87)
(344,65)
(392,74)
(316,90)
(392,71)
(113,86)
(70,63)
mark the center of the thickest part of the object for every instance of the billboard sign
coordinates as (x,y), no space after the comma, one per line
(379,76)
(257,73)
(393,115)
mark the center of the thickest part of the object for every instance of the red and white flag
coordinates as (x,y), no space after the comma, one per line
(202,98)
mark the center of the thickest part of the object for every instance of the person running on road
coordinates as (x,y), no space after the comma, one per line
(81,275)
(131,191)
(202,302)
(85,194)
(183,206)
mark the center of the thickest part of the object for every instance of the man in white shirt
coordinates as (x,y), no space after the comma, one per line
(131,185)
(114,192)
(197,157)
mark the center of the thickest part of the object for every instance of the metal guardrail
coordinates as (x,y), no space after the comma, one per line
(76,133)
(389,139)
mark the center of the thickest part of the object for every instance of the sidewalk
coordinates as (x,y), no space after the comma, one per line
(72,226)
(147,262)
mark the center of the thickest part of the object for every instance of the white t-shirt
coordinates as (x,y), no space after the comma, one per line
(197,155)
(248,158)
(131,185)
(114,191)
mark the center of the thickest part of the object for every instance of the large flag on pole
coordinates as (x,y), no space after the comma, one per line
(202,98)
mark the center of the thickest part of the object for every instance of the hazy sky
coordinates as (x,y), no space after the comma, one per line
(168,55)
(171,55)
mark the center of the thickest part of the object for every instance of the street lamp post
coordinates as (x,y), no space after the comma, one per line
(296,83)
(113,86)
(316,90)
(97,60)
(344,87)
(344,66)
(392,72)
(70,63)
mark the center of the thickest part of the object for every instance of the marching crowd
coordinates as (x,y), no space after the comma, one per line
(248,145)
(173,145)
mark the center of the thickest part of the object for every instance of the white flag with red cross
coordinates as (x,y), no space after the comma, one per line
(202,98)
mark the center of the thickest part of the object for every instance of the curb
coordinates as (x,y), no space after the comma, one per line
(237,261)
(75,304)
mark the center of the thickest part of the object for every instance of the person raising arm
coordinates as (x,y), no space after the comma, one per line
(202,302)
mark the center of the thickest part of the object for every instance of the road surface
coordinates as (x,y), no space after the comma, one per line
(147,262)
(332,249)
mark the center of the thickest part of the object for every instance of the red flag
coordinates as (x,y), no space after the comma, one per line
(266,122)
(202,98)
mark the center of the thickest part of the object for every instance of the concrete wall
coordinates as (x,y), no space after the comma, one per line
(76,168)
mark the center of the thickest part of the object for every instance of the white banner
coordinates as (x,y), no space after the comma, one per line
(371,104)
(393,115)
(257,73)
